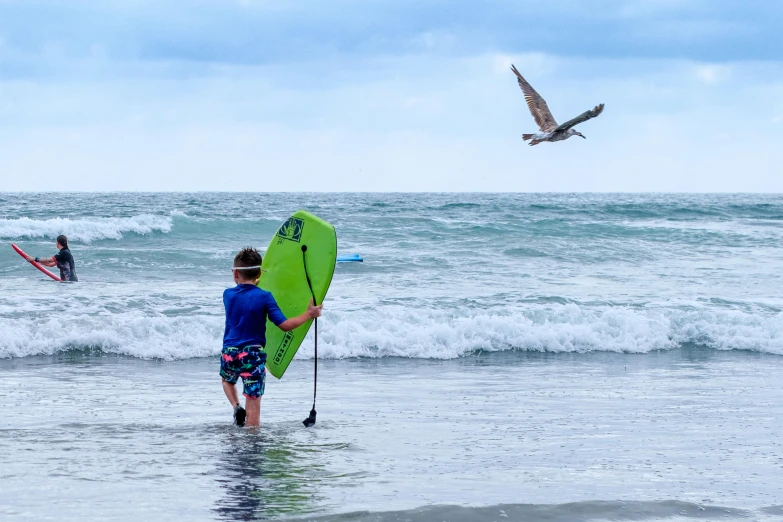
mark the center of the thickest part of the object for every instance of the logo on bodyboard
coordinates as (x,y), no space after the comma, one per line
(291,230)
(283,348)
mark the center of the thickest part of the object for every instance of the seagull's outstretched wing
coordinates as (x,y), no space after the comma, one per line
(581,118)
(538,108)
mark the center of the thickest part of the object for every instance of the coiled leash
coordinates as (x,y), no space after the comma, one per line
(310,421)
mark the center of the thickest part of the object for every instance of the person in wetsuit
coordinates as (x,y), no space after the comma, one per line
(62,260)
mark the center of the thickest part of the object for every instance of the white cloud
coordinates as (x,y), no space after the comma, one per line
(712,74)
(409,124)
(434,41)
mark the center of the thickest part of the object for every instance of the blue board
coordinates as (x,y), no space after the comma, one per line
(350,258)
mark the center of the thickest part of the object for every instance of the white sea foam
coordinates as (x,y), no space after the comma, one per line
(404,332)
(86,229)
(132,333)
(391,331)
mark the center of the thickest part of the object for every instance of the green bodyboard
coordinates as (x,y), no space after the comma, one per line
(283,274)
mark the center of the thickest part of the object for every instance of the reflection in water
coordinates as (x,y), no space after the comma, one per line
(265,474)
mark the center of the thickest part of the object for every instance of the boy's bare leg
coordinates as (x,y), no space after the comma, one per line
(253,407)
(231,392)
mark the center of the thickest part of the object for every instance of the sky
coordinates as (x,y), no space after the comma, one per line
(398,95)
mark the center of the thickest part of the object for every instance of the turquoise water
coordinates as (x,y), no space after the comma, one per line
(495,357)
(444,275)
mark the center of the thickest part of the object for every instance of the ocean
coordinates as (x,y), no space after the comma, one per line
(495,357)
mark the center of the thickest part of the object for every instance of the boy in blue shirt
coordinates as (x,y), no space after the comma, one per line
(243,355)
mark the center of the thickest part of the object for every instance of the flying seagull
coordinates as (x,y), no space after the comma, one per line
(550,130)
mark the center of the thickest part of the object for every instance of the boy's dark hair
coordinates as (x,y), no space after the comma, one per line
(62,240)
(248,256)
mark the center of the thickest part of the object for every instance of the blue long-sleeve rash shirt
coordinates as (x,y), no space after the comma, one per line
(247,308)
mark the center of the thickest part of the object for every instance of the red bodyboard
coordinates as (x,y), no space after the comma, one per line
(39,266)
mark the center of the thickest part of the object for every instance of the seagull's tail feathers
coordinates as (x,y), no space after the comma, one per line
(532,138)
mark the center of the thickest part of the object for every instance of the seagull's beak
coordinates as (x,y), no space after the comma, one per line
(582,135)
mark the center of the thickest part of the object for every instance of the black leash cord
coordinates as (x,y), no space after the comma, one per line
(310,421)
(315,363)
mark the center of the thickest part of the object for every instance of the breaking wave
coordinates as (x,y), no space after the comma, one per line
(392,331)
(84,230)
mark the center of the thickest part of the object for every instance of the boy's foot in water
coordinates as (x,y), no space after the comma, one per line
(239,415)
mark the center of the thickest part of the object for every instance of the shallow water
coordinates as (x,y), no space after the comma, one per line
(683,433)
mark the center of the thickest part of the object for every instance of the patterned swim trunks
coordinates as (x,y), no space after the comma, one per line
(249,363)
